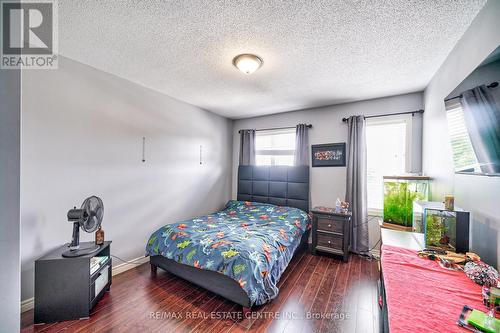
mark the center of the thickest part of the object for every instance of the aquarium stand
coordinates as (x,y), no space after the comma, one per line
(393,226)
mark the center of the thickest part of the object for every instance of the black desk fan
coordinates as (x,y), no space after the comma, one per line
(89,218)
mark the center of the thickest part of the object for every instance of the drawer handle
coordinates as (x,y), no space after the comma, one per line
(329,226)
(329,242)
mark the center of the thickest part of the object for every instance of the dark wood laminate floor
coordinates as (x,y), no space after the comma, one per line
(317,294)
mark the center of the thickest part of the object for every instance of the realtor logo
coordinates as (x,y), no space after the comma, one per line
(29,34)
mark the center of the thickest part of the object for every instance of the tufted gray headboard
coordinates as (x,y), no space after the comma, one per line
(278,185)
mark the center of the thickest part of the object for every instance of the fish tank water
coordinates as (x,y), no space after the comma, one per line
(447,229)
(399,194)
(419,208)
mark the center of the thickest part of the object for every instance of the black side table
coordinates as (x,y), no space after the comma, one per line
(330,232)
(65,289)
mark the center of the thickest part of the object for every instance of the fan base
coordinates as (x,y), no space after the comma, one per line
(81,251)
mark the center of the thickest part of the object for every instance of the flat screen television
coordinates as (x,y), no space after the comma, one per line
(473,114)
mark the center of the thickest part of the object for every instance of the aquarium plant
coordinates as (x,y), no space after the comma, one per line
(419,208)
(399,194)
(440,229)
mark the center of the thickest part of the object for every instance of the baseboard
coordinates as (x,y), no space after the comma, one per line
(29,303)
(120,268)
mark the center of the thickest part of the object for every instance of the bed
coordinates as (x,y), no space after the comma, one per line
(241,251)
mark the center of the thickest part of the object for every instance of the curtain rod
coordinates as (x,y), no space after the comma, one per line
(491,85)
(278,128)
(388,114)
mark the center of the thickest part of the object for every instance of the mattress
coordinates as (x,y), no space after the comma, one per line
(249,242)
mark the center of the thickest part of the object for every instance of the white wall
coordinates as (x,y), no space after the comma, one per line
(82,135)
(477,194)
(327,184)
(10,124)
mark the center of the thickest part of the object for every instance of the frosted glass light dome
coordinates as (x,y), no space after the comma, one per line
(247,63)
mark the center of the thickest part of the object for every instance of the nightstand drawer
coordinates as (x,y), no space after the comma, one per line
(328,224)
(330,241)
(330,232)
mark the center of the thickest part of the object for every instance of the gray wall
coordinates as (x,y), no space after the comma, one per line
(477,194)
(327,184)
(10,111)
(482,75)
(82,135)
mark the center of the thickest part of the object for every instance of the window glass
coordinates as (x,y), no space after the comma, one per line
(275,147)
(386,149)
(464,157)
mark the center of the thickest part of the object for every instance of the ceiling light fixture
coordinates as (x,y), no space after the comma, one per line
(247,63)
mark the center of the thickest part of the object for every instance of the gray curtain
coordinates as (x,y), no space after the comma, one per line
(301,155)
(247,147)
(482,118)
(356,193)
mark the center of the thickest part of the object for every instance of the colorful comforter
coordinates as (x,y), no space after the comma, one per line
(250,242)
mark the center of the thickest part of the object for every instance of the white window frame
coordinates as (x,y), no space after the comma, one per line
(408,120)
(277,152)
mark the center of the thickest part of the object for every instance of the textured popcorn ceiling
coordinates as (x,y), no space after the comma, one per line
(315,52)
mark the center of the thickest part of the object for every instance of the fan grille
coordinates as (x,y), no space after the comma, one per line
(94,211)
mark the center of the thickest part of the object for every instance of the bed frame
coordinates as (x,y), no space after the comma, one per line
(278,185)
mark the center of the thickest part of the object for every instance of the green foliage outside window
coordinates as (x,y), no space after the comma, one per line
(463,155)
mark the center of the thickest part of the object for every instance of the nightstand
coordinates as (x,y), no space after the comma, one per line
(330,232)
(66,288)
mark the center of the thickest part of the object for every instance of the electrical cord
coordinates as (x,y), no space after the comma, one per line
(131,262)
(368,220)
(370,255)
(376,244)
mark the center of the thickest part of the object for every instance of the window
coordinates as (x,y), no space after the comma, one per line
(388,154)
(464,157)
(275,147)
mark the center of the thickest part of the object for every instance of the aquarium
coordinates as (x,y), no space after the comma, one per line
(419,208)
(447,230)
(399,194)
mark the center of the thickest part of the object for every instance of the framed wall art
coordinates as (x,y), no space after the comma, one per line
(328,155)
